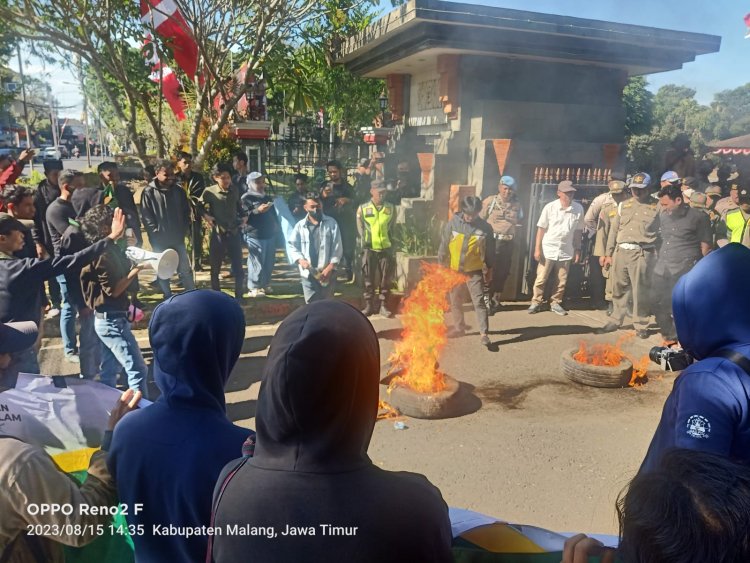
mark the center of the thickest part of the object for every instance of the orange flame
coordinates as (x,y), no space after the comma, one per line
(613,355)
(424,336)
(386,411)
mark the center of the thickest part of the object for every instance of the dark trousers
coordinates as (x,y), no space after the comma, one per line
(377,273)
(349,245)
(501,267)
(197,243)
(597,282)
(661,287)
(55,296)
(475,285)
(219,246)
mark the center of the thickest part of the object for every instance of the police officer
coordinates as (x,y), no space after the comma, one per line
(702,202)
(504,214)
(375,221)
(634,234)
(603,225)
(738,219)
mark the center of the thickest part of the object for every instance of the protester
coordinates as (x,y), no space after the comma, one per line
(11,170)
(19,203)
(47,191)
(691,509)
(105,283)
(558,244)
(22,280)
(222,211)
(670,178)
(737,219)
(115,194)
(406,184)
(239,163)
(689,187)
(168,456)
(504,214)
(30,477)
(363,179)
(165,212)
(706,408)
(342,209)
(315,417)
(467,245)
(315,246)
(634,234)
(375,222)
(260,233)
(193,183)
(685,238)
(296,201)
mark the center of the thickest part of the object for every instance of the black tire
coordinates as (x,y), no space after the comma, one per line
(595,376)
(444,404)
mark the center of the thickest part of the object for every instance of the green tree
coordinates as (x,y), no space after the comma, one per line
(638,102)
(667,100)
(732,108)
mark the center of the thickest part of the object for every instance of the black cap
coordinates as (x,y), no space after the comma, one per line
(50,165)
(743,193)
(16,337)
(8,223)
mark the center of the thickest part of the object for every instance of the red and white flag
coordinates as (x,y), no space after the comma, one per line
(165,18)
(170,84)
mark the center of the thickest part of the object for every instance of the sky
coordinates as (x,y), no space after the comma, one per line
(707,75)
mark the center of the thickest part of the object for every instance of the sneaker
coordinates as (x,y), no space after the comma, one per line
(455,333)
(73,358)
(52,313)
(227,276)
(261,291)
(609,327)
(254,293)
(534,308)
(642,333)
(268,290)
(557,309)
(486,341)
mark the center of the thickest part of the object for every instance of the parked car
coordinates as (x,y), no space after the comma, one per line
(50,153)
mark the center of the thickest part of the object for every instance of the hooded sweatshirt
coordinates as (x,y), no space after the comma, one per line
(168,455)
(310,471)
(709,406)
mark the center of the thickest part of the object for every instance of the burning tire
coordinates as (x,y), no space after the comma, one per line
(442,404)
(596,376)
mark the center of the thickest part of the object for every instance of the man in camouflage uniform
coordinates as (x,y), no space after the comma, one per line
(634,233)
(504,215)
(607,213)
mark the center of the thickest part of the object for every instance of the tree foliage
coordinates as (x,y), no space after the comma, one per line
(638,102)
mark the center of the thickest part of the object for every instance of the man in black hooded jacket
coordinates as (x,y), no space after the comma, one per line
(310,490)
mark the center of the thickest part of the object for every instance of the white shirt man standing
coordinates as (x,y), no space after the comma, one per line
(558,243)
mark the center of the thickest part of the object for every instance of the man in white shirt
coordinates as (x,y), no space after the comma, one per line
(558,243)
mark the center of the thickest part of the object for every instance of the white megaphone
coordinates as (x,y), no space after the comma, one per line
(163,263)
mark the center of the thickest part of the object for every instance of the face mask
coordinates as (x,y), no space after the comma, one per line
(317,214)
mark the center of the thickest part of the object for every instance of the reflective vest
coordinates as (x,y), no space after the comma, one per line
(377,224)
(736,225)
(467,251)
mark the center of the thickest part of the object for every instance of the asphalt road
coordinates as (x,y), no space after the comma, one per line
(537,450)
(74,163)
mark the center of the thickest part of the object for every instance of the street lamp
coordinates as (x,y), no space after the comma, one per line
(383,99)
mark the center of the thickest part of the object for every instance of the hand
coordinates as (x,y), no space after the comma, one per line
(579,548)
(577,257)
(118,225)
(602,261)
(487,274)
(127,402)
(607,261)
(264,207)
(326,272)
(538,255)
(341,202)
(304,264)
(26,155)
(40,251)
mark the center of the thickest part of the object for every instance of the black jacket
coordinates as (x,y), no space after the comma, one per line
(59,214)
(165,214)
(261,226)
(45,194)
(315,417)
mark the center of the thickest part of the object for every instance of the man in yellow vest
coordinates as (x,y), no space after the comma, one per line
(737,219)
(375,221)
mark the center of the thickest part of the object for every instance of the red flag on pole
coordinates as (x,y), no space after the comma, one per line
(170,85)
(165,18)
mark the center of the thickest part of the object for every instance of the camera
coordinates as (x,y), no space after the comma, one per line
(670,359)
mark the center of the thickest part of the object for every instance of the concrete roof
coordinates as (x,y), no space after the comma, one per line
(402,40)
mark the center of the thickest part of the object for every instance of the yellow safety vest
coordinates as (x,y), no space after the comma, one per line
(377,223)
(467,251)
(736,224)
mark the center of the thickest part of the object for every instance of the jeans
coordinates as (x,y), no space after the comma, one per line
(261,258)
(313,291)
(184,270)
(219,245)
(90,347)
(475,285)
(120,349)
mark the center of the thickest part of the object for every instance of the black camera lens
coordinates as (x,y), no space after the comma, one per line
(657,353)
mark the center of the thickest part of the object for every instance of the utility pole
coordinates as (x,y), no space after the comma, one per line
(85,111)
(25,109)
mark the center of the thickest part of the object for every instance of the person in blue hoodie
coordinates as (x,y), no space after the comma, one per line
(167,457)
(708,408)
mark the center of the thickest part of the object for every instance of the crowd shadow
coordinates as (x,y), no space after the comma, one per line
(242,410)
(256,344)
(524,334)
(512,396)
(245,373)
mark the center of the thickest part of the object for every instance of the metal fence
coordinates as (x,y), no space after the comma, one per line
(293,153)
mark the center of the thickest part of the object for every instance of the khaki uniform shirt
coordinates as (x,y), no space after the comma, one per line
(29,476)
(635,223)
(502,217)
(604,224)
(724,206)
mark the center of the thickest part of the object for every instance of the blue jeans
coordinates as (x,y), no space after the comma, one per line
(261,258)
(90,346)
(120,350)
(184,270)
(313,291)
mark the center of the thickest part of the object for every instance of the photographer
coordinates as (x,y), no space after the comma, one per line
(708,408)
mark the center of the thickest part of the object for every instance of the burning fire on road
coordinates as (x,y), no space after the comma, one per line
(613,355)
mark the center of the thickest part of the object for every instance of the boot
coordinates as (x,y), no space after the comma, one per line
(369,309)
(384,312)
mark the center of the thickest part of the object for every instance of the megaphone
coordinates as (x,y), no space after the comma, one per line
(163,263)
